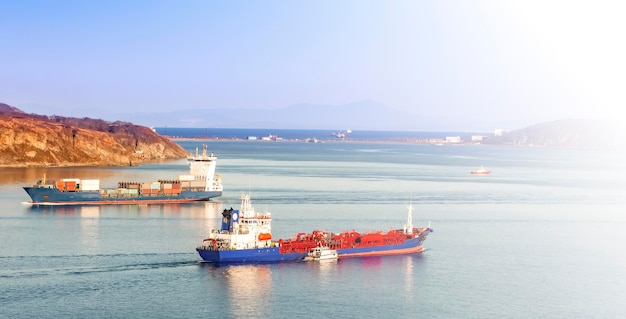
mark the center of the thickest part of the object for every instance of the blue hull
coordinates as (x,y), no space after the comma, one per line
(273,254)
(52,196)
(257,255)
(408,247)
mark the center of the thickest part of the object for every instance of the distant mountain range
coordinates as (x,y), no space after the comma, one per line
(361,115)
(371,115)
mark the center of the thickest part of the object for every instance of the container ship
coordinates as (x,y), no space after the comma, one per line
(245,236)
(201,184)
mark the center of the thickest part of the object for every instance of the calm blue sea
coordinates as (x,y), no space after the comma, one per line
(541,237)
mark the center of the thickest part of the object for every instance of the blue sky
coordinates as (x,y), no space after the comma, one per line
(513,62)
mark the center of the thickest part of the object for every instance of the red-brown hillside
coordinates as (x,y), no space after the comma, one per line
(38,140)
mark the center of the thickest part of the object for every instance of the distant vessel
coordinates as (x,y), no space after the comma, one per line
(341,134)
(481,171)
(272,137)
(321,253)
(245,237)
(200,185)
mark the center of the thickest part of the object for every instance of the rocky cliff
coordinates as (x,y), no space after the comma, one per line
(38,140)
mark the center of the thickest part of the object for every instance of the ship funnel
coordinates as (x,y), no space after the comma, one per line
(227,219)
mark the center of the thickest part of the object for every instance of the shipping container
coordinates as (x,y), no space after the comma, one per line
(186,177)
(70,186)
(90,184)
(198,184)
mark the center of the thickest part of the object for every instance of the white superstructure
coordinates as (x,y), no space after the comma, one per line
(202,170)
(242,229)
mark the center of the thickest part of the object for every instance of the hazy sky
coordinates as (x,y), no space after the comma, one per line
(516,61)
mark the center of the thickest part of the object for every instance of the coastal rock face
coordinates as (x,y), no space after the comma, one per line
(37,140)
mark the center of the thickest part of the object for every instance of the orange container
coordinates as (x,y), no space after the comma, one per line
(70,186)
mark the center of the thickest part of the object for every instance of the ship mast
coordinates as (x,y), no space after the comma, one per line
(408,228)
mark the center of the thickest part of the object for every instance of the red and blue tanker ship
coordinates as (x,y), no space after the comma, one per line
(245,236)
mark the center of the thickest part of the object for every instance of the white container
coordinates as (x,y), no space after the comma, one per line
(186,177)
(90,184)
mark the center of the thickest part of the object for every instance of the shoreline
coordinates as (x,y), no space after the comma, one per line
(424,141)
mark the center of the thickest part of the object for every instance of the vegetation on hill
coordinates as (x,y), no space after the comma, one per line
(39,140)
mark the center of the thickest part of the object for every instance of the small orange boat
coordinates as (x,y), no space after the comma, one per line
(481,171)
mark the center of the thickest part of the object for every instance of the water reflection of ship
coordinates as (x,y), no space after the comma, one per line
(54,210)
(325,270)
(195,210)
(247,289)
(403,265)
(89,224)
(208,210)
(408,276)
(211,212)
